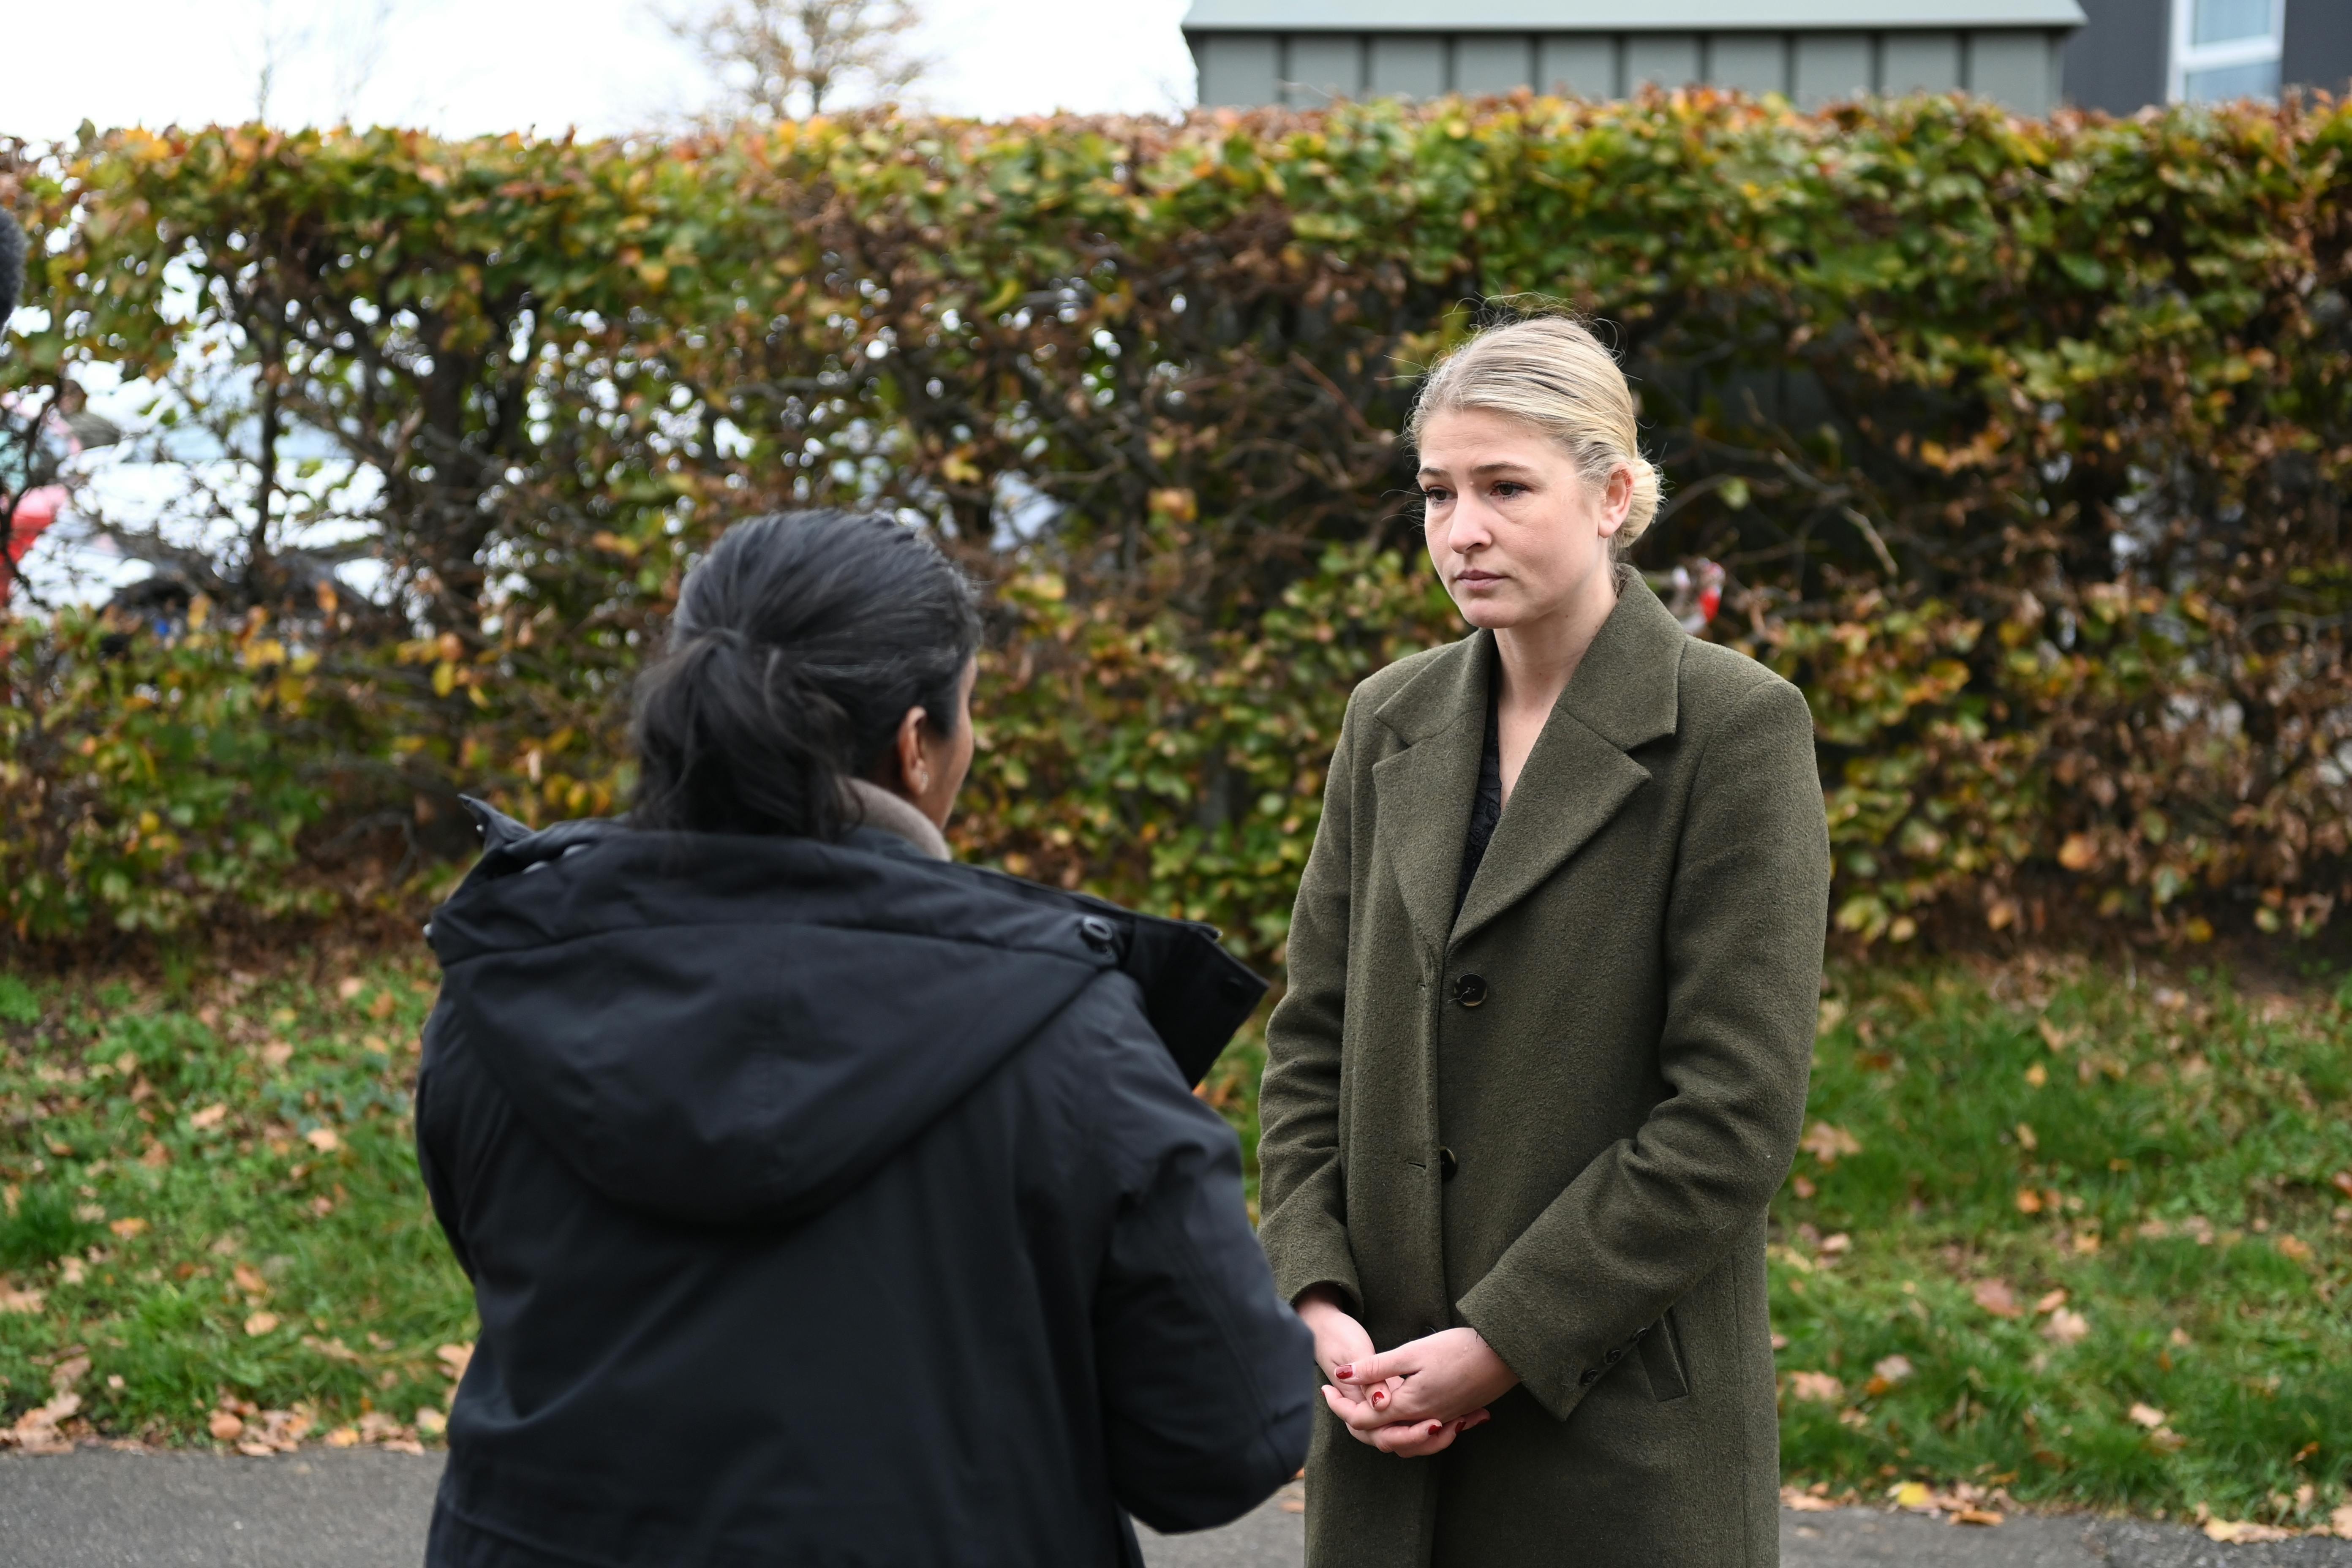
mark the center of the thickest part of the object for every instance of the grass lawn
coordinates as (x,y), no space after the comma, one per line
(2054,1237)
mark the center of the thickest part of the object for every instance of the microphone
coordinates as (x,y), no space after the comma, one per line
(12,265)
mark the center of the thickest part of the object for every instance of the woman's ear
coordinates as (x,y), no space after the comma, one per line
(914,756)
(1616,501)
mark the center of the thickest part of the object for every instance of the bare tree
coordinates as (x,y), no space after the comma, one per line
(781,59)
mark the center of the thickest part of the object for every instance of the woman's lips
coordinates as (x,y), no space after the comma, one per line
(1474,579)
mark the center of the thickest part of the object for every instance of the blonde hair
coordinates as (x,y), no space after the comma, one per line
(1552,374)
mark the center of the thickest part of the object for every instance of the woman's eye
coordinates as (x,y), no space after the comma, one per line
(1434,497)
(1509,488)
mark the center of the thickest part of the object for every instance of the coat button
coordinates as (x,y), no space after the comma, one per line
(1590,1374)
(1469,989)
(1447,1164)
(1098,933)
(1613,1357)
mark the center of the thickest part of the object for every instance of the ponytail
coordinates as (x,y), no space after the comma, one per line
(799,645)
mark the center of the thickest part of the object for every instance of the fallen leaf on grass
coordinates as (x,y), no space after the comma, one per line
(27,1303)
(2244,1530)
(323,1139)
(1995,1296)
(1816,1388)
(455,1359)
(348,986)
(2066,1327)
(36,1431)
(1975,1516)
(2342,1181)
(2147,1415)
(1911,1494)
(260,1323)
(275,1054)
(1797,1501)
(250,1279)
(227,1426)
(2050,1303)
(2342,1520)
(210,1116)
(2294,1246)
(2037,1075)
(343,1438)
(431,1423)
(1828,1144)
(1886,1374)
(2028,1201)
(127,1228)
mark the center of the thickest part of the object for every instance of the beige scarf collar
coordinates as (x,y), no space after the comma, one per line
(873,806)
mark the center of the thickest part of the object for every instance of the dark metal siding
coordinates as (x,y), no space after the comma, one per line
(2116,62)
(2319,43)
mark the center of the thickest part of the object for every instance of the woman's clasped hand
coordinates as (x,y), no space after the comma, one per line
(1412,1401)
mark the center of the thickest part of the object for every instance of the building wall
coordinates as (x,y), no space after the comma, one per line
(2016,66)
(2117,61)
(2318,51)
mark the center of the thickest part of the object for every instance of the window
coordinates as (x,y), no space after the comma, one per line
(2226,48)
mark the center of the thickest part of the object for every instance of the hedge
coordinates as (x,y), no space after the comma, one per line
(2022,444)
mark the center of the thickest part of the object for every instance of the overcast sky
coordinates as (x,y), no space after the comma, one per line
(466,66)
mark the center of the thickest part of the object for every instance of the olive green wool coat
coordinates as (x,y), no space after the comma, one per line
(1572,1153)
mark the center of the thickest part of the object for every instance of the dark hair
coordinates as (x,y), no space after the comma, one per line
(12,265)
(800,643)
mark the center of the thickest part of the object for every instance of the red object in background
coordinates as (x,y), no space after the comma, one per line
(36,509)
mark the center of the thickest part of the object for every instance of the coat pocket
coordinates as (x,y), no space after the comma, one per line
(1662,1358)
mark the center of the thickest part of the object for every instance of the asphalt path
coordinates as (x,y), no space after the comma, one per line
(99,1508)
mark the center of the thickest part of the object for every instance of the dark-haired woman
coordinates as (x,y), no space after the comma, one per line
(827,1202)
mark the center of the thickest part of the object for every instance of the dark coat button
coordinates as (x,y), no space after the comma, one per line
(1613,1357)
(1447,1164)
(1590,1374)
(1098,933)
(1469,989)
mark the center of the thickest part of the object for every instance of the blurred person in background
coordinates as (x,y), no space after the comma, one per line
(827,1202)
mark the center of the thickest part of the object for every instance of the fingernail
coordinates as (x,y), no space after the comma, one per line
(1345,1371)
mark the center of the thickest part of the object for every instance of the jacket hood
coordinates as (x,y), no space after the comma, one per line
(719,1028)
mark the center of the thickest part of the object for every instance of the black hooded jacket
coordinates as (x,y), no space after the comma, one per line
(829,1204)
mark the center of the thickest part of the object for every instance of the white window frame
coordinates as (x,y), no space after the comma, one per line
(2191,56)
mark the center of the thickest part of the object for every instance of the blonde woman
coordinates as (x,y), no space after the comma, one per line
(1553,977)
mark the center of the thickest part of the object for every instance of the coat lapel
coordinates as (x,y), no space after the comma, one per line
(1622,696)
(1424,790)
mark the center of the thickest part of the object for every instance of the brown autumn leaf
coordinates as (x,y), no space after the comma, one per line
(2079,853)
(2342,1181)
(381,1008)
(2294,1246)
(1828,1144)
(1816,1388)
(2028,1201)
(348,986)
(2025,1138)
(1984,1516)
(275,1054)
(249,1281)
(2147,1415)
(325,1140)
(26,1303)
(260,1323)
(431,1423)
(1995,1296)
(2051,1302)
(2240,1531)
(343,1438)
(127,1228)
(227,1426)
(210,1116)
(2066,1327)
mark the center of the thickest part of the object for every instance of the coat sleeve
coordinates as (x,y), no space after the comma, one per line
(1651,1216)
(1301,1184)
(436,1159)
(1208,1378)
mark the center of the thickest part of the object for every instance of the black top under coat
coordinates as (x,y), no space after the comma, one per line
(1486,805)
